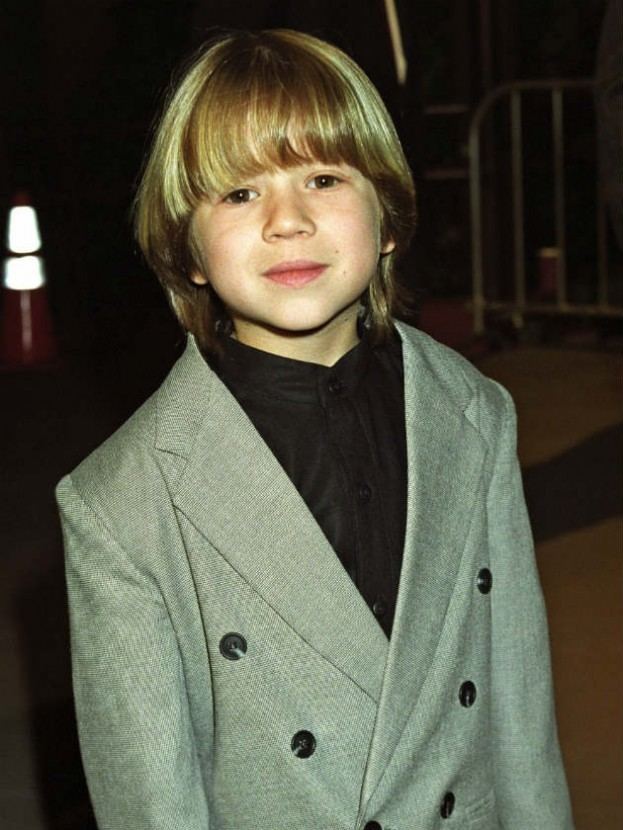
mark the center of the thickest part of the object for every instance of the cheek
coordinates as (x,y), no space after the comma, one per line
(216,251)
(369,235)
(371,222)
(361,227)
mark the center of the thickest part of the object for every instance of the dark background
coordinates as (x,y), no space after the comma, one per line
(81,81)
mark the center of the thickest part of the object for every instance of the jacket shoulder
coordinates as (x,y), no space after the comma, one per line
(113,470)
(127,472)
(484,401)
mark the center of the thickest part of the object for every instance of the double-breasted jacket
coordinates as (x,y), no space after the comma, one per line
(229,676)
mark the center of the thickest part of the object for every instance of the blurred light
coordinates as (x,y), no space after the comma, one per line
(23,235)
(23,273)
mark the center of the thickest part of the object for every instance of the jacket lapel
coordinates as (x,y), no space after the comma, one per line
(445,460)
(232,489)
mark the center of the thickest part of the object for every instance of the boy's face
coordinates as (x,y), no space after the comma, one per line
(290,253)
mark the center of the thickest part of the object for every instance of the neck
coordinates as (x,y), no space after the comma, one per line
(325,346)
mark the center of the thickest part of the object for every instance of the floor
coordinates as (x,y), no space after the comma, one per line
(570,411)
(569,404)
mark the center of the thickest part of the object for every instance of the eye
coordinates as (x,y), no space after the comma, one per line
(323,181)
(240,196)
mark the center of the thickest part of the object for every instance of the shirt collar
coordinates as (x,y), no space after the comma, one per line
(247,370)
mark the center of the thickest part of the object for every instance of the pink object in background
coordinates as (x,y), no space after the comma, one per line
(27,337)
(547,287)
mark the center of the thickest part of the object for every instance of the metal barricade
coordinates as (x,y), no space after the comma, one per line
(520,304)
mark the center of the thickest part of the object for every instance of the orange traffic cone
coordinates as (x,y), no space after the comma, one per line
(26,333)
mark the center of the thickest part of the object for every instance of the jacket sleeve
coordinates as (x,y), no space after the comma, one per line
(530,785)
(133,719)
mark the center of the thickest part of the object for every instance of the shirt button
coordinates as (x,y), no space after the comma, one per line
(484,581)
(467,693)
(372,825)
(335,386)
(303,744)
(233,646)
(379,607)
(447,805)
(364,492)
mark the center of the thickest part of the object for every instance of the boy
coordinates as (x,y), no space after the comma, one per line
(301,581)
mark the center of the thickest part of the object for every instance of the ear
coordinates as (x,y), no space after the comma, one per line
(198,278)
(388,247)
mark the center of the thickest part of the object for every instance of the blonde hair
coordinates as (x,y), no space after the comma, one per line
(299,98)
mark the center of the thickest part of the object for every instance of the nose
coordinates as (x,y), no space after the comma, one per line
(287,216)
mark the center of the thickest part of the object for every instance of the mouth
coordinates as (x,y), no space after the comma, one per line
(295,273)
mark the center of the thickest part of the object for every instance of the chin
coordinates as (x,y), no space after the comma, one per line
(306,327)
(313,320)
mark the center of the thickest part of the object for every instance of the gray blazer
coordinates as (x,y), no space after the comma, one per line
(182,528)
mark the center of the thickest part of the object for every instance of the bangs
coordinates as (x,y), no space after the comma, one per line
(263,109)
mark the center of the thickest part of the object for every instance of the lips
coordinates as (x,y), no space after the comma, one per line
(295,272)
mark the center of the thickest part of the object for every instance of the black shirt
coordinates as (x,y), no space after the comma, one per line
(338,432)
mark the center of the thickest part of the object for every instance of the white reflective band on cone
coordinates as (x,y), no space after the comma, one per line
(23,273)
(23,235)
